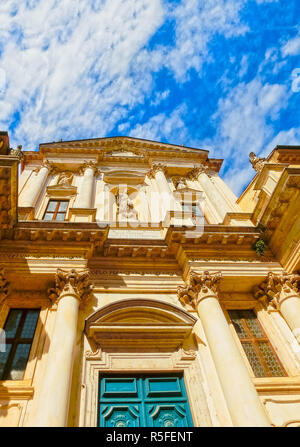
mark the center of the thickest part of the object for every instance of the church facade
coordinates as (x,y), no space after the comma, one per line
(137,290)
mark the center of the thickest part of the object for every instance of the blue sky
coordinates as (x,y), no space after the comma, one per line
(215,74)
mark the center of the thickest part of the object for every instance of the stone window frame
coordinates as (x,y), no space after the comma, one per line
(274,336)
(23,389)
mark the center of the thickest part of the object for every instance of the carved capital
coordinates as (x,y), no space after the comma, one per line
(4,286)
(156,168)
(17,152)
(195,172)
(89,164)
(276,288)
(199,287)
(257,163)
(71,282)
(47,164)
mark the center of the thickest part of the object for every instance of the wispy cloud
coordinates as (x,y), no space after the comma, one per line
(195,72)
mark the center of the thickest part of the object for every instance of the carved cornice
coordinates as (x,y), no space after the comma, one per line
(276,288)
(4,286)
(71,282)
(257,163)
(199,286)
(156,168)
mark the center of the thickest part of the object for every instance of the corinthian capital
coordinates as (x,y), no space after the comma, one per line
(88,164)
(155,168)
(276,288)
(199,287)
(47,164)
(195,172)
(4,286)
(71,282)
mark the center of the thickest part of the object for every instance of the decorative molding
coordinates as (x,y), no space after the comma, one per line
(276,288)
(145,323)
(94,355)
(71,282)
(199,286)
(4,286)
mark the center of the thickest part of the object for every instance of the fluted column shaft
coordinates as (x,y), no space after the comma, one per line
(32,190)
(242,399)
(53,404)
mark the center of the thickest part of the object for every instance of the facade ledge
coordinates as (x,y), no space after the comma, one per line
(16,389)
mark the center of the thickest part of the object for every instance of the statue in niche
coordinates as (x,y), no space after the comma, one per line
(65,179)
(125,206)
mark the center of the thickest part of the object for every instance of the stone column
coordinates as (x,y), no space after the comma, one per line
(165,198)
(32,190)
(53,406)
(242,399)
(201,175)
(282,291)
(84,199)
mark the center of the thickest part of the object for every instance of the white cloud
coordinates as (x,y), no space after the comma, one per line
(291,47)
(77,68)
(71,69)
(161,127)
(244,121)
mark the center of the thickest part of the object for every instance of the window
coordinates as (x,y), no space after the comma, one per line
(19,332)
(262,358)
(196,211)
(56,210)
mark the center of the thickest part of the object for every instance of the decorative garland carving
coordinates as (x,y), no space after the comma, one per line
(199,286)
(71,282)
(274,285)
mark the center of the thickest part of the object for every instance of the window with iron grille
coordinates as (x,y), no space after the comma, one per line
(19,331)
(56,210)
(261,356)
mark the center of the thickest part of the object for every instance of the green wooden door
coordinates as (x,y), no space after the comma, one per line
(143,401)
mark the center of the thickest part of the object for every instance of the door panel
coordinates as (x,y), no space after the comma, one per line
(120,415)
(162,415)
(143,401)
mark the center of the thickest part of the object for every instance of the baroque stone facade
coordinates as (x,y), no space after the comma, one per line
(140,261)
